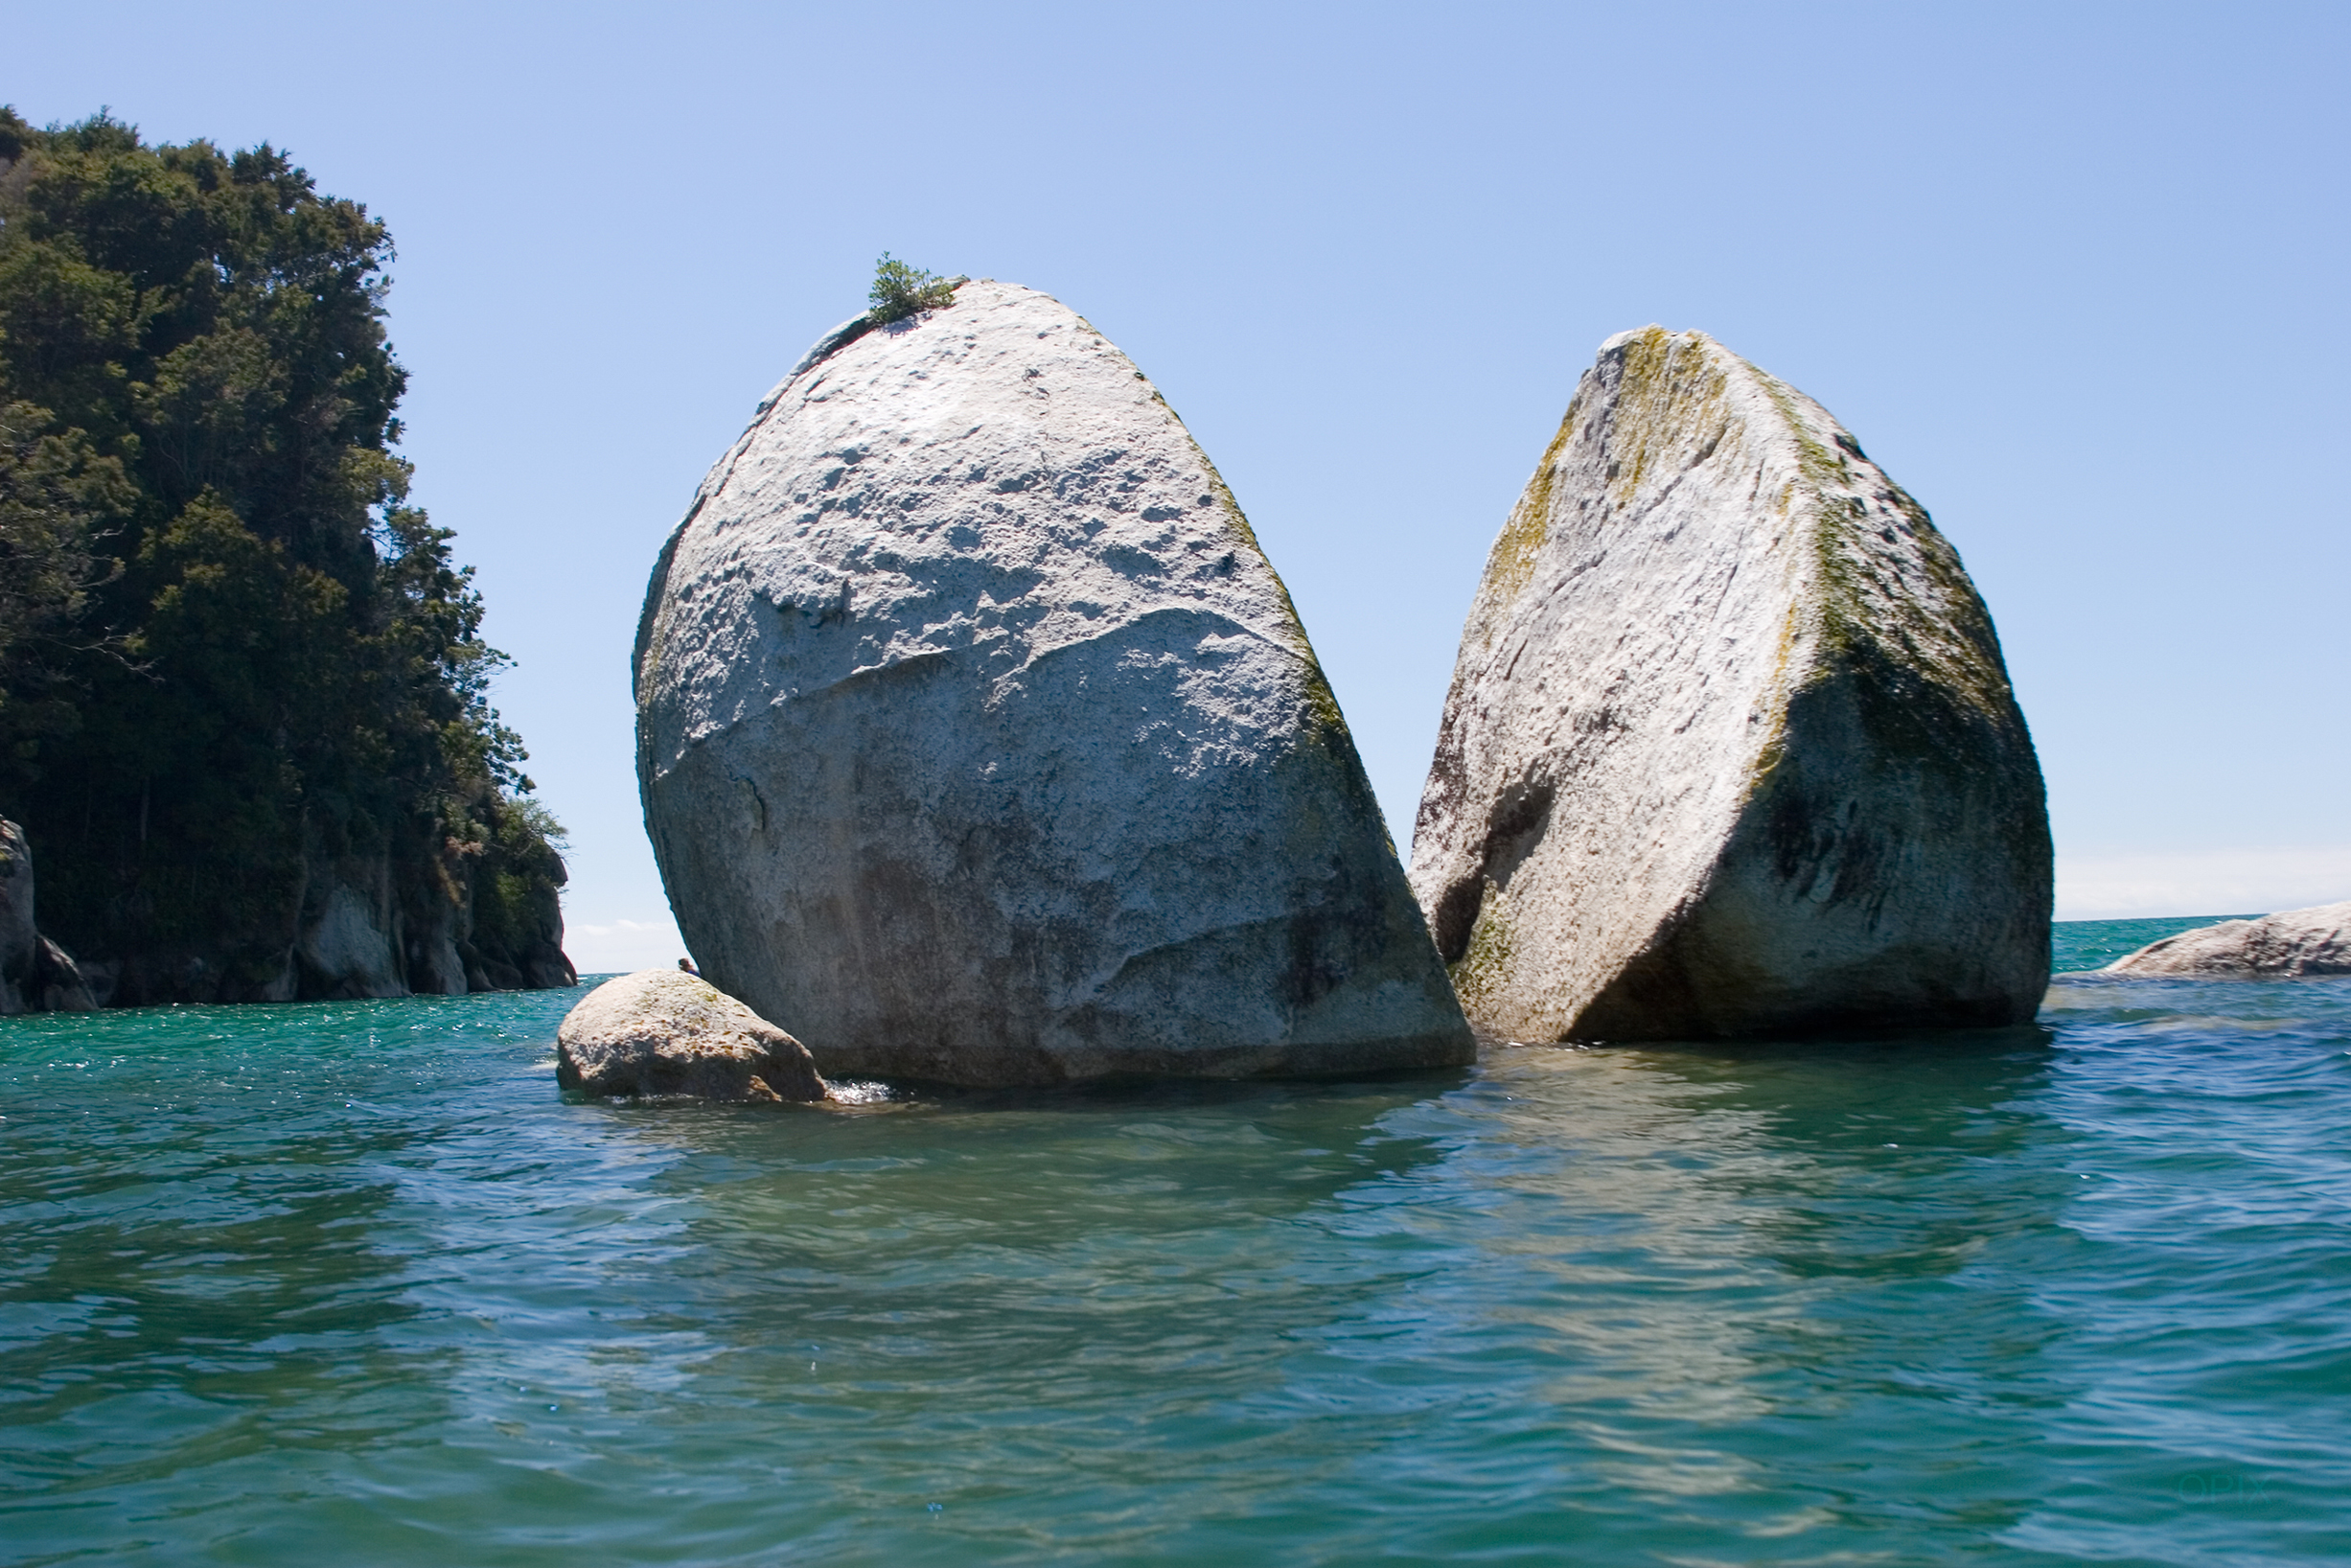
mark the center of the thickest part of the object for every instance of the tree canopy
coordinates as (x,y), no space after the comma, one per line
(229,647)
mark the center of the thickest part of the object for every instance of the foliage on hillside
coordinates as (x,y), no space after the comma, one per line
(231,654)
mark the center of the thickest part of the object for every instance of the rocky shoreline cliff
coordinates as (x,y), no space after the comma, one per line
(244,716)
(483,917)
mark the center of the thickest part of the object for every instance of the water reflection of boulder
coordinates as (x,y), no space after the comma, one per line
(1048,1257)
(1689,1239)
(1028,1160)
(1860,1121)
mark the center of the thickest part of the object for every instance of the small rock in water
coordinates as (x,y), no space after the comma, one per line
(1730,747)
(659,1031)
(2292,944)
(979,738)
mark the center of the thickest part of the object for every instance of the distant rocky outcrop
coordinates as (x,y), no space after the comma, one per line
(2290,945)
(36,975)
(659,1031)
(979,738)
(1730,749)
(347,944)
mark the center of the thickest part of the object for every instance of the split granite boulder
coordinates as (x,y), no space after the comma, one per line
(2290,945)
(660,1031)
(977,737)
(1730,749)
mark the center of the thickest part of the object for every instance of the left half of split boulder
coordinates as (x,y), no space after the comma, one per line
(660,1031)
(979,738)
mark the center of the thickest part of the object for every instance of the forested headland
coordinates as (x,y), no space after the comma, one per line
(243,696)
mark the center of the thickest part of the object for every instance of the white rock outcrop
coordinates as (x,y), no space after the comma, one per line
(660,1031)
(347,943)
(1730,747)
(2292,944)
(36,975)
(59,985)
(977,737)
(19,941)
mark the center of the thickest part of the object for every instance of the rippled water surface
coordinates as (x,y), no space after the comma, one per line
(353,1284)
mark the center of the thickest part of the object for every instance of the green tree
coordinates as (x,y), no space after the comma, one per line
(59,501)
(231,654)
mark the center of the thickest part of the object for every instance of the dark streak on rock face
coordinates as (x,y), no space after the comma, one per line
(1825,853)
(1514,825)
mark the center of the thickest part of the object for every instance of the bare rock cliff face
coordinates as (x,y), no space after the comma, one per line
(19,942)
(476,917)
(1730,749)
(36,975)
(2292,944)
(979,742)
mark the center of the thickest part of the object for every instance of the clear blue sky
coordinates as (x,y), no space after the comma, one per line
(2075,274)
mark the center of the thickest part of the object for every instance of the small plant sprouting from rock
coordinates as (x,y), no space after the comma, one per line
(901,288)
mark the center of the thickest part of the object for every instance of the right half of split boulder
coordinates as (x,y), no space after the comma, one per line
(1730,749)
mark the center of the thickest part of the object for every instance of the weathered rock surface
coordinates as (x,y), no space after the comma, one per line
(659,1031)
(19,941)
(435,966)
(57,983)
(977,737)
(473,917)
(36,975)
(2291,944)
(348,947)
(1730,747)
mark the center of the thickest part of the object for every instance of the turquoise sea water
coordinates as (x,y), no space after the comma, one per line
(353,1284)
